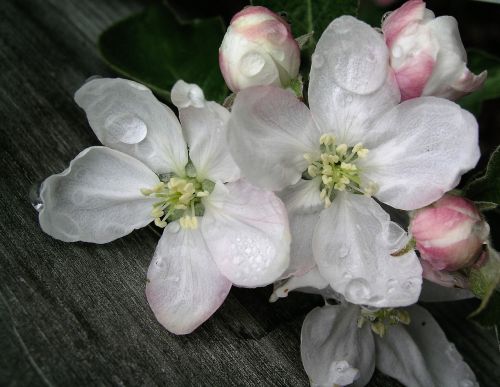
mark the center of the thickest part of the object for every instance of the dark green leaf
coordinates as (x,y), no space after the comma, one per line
(154,48)
(487,187)
(477,62)
(310,15)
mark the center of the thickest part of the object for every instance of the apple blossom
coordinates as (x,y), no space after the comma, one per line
(427,54)
(355,142)
(258,49)
(450,233)
(342,344)
(219,230)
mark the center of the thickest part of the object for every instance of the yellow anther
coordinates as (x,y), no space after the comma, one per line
(160,223)
(327,139)
(157,213)
(312,170)
(341,149)
(326,179)
(339,186)
(348,166)
(146,191)
(158,187)
(185,198)
(202,194)
(189,222)
(327,170)
(328,202)
(344,180)
(325,159)
(356,148)
(180,207)
(333,159)
(309,157)
(362,153)
(322,194)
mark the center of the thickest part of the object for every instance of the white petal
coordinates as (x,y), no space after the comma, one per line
(184,95)
(451,58)
(432,292)
(269,132)
(420,355)
(98,198)
(205,131)
(352,54)
(352,245)
(246,230)
(334,350)
(127,117)
(184,286)
(304,205)
(426,144)
(310,282)
(348,115)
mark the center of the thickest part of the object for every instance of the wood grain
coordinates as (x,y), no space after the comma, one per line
(76,314)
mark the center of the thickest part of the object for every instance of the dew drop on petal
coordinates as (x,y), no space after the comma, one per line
(343,251)
(126,127)
(34,195)
(252,63)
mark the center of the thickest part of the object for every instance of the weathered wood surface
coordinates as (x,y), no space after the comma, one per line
(76,314)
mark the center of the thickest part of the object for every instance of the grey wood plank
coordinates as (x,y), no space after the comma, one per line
(76,314)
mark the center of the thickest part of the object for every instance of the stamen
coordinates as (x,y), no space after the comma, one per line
(178,199)
(337,167)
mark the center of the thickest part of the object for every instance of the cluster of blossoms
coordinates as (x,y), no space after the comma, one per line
(306,195)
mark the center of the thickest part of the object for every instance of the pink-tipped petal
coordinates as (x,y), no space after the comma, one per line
(410,12)
(184,286)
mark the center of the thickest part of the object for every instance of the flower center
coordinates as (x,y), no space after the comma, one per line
(337,168)
(380,319)
(179,198)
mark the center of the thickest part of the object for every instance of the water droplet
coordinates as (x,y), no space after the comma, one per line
(411,284)
(343,251)
(397,51)
(252,63)
(278,34)
(347,275)
(370,57)
(357,290)
(391,285)
(126,127)
(34,195)
(318,60)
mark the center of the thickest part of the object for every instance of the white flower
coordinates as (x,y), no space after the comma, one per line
(221,230)
(336,351)
(258,49)
(353,143)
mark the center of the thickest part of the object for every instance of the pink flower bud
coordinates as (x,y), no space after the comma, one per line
(449,233)
(258,49)
(427,54)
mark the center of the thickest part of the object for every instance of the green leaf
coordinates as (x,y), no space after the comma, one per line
(154,48)
(310,15)
(487,187)
(477,62)
(484,282)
